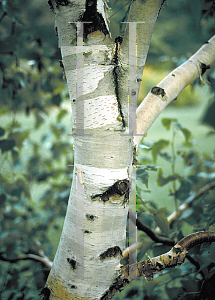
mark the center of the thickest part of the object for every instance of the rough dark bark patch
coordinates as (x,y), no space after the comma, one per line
(90,217)
(95,19)
(156,90)
(118,285)
(116,74)
(204,67)
(72,263)
(120,188)
(111,252)
(45,293)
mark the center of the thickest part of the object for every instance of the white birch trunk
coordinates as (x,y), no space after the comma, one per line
(94,232)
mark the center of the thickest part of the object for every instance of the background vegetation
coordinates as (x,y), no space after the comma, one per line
(176,156)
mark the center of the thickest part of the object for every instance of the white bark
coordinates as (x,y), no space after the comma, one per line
(173,84)
(102,157)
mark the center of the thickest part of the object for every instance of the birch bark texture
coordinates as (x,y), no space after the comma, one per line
(94,233)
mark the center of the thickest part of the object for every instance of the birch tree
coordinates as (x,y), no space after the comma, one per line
(103,74)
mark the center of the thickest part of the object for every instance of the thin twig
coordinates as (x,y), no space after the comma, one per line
(156,238)
(41,258)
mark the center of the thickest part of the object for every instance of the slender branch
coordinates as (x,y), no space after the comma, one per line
(175,215)
(140,226)
(171,86)
(130,250)
(148,268)
(156,238)
(41,258)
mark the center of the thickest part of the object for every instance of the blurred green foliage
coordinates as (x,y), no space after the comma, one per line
(194,279)
(36,149)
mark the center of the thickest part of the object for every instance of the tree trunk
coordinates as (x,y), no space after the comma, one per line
(98,75)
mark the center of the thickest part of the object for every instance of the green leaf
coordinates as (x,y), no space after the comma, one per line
(173,292)
(21,79)
(161,220)
(187,134)
(19,136)
(46,85)
(40,118)
(160,249)
(166,122)
(56,99)
(147,219)
(43,176)
(2,200)
(7,145)
(17,192)
(7,45)
(61,114)
(166,156)
(183,192)
(142,174)
(157,147)
(162,180)
(2,131)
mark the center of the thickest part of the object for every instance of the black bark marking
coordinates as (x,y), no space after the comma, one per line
(58,3)
(161,6)
(135,156)
(94,17)
(90,217)
(45,293)
(118,285)
(111,252)
(120,188)
(156,90)
(116,74)
(87,231)
(61,2)
(73,286)
(204,67)
(72,263)
(159,265)
(63,69)
(50,5)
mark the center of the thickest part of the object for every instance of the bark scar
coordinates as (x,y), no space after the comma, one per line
(116,75)
(156,90)
(111,252)
(118,189)
(94,19)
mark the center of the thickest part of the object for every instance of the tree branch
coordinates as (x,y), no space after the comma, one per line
(140,226)
(171,86)
(41,258)
(148,268)
(175,215)
(145,14)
